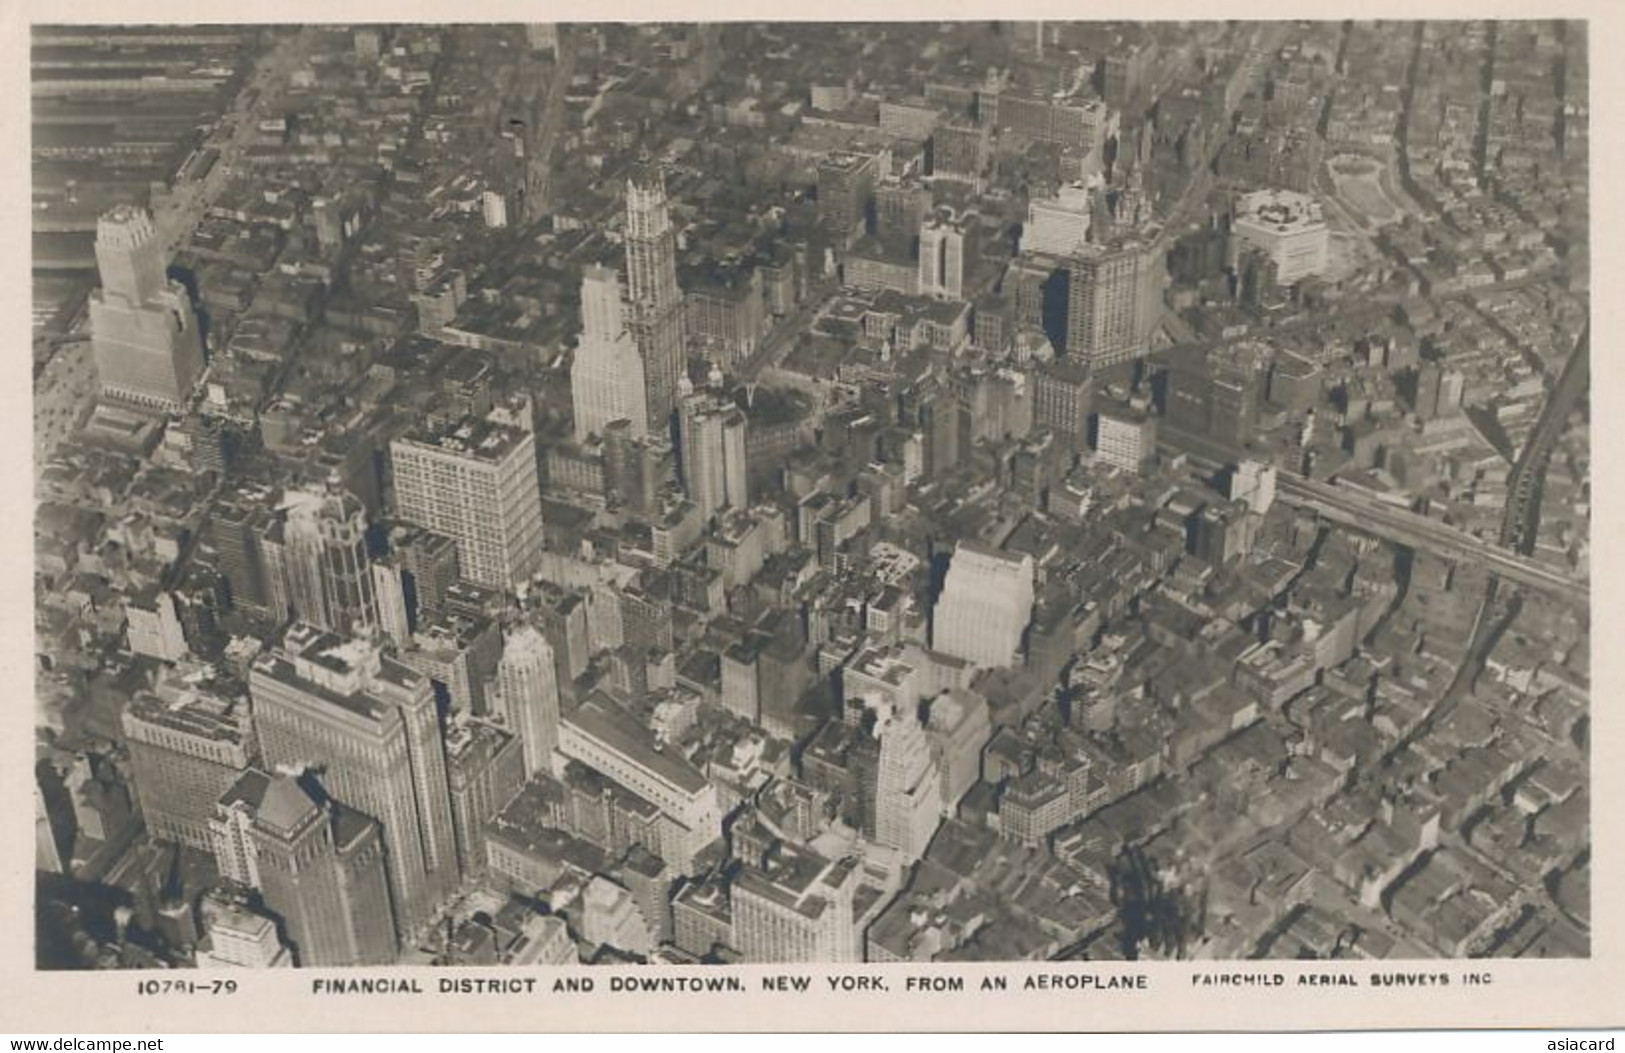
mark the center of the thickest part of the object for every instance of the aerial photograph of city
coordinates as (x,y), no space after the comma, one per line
(708,494)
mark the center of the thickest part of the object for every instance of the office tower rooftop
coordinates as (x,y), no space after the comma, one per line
(795,907)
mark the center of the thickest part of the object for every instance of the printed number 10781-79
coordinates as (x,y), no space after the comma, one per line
(166,985)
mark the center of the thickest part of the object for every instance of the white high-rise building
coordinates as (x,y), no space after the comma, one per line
(393,620)
(1125,439)
(129,259)
(528,695)
(240,938)
(1058,226)
(1114,301)
(712,433)
(144,333)
(477,482)
(942,258)
(985,606)
(1253,482)
(658,319)
(606,378)
(154,629)
(494,208)
(908,792)
(1288,228)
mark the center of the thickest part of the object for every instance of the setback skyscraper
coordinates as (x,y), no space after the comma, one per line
(607,376)
(657,321)
(528,695)
(149,351)
(986,603)
(711,431)
(368,727)
(321,870)
(908,788)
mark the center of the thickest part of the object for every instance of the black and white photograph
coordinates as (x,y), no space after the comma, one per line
(647,495)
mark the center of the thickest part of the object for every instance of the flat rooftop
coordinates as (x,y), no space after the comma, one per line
(602,720)
(470,437)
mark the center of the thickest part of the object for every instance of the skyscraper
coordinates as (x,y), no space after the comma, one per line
(389,584)
(986,603)
(144,333)
(735,470)
(908,788)
(711,431)
(1114,302)
(429,566)
(233,528)
(1438,391)
(485,769)
(607,377)
(231,830)
(321,870)
(624,459)
(325,561)
(1126,438)
(475,481)
(959,152)
(1218,393)
(528,695)
(368,726)
(846,187)
(188,744)
(657,321)
(153,625)
(1062,394)
(900,207)
(957,728)
(942,258)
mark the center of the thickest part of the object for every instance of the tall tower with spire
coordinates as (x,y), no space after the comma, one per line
(657,320)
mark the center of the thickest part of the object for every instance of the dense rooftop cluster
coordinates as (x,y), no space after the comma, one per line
(1114,472)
